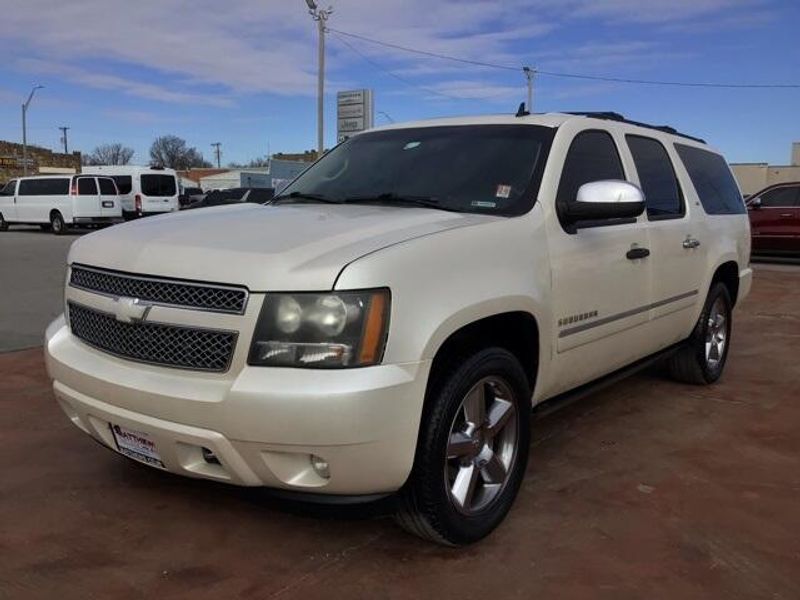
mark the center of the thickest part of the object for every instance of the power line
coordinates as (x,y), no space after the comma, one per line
(408,82)
(571,75)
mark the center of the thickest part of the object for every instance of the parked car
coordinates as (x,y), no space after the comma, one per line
(57,202)
(144,190)
(775,219)
(386,324)
(234,196)
(190,195)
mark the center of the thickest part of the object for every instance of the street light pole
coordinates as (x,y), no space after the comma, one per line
(321,17)
(25,129)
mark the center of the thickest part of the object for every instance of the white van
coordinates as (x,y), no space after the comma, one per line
(144,190)
(58,201)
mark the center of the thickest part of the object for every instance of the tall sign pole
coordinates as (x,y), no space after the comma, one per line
(321,17)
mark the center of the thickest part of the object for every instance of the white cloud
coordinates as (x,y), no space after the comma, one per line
(208,53)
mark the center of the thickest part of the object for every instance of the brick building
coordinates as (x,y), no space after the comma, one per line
(40,161)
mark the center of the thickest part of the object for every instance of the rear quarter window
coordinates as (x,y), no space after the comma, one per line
(712,180)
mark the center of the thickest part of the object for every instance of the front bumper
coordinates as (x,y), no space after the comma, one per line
(262,424)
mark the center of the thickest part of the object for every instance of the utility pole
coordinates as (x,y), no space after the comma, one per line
(217,152)
(25,129)
(321,17)
(529,74)
(64,138)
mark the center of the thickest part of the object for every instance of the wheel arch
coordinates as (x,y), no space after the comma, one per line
(727,273)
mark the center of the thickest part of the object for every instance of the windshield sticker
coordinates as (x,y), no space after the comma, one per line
(483,204)
(503,191)
(411,145)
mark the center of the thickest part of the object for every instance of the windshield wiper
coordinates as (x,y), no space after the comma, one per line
(392,199)
(305,196)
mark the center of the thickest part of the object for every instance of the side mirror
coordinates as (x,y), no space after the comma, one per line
(609,199)
(755,203)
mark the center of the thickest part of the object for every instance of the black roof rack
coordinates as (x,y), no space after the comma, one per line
(614,116)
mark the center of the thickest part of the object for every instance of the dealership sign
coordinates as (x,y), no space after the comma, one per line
(354,113)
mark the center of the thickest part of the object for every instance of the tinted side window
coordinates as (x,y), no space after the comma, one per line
(780,197)
(592,156)
(657,177)
(107,186)
(712,180)
(44,187)
(87,186)
(124,183)
(10,188)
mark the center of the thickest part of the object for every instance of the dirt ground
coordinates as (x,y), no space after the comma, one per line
(647,489)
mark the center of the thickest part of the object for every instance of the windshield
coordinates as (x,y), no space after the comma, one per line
(494,169)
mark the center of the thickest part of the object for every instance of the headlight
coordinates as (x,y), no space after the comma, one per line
(326,330)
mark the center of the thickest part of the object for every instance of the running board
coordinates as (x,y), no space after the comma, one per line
(563,400)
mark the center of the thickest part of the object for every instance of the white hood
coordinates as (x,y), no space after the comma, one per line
(297,247)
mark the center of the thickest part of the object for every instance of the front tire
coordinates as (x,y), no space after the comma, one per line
(702,358)
(57,224)
(3,223)
(472,450)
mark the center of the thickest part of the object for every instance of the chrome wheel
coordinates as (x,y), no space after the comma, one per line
(482,445)
(716,333)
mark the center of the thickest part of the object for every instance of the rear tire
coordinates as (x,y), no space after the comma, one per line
(57,223)
(702,358)
(472,450)
(3,223)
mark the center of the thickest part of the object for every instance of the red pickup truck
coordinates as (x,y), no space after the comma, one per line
(775,219)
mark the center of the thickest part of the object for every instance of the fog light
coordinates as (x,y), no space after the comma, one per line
(209,456)
(320,466)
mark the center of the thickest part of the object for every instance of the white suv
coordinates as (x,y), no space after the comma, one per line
(388,322)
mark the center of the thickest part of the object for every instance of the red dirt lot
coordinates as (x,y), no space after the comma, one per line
(646,489)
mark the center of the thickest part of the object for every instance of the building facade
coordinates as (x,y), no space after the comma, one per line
(40,161)
(753,177)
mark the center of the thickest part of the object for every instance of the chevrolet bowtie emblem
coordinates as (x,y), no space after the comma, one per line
(130,310)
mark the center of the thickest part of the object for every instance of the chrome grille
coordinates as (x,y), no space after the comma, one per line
(154,343)
(158,290)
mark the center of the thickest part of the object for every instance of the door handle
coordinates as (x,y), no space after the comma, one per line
(691,243)
(636,253)
(784,215)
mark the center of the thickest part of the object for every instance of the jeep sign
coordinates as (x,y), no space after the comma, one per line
(354,113)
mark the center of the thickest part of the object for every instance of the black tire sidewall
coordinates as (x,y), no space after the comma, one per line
(3,223)
(429,478)
(55,219)
(699,338)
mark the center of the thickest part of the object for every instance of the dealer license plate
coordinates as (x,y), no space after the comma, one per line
(136,445)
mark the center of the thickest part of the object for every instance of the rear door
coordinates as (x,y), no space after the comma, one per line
(774,223)
(126,192)
(678,259)
(109,199)
(87,201)
(159,192)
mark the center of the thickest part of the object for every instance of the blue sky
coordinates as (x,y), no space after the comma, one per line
(243,72)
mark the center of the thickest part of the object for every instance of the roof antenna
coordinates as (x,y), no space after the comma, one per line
(521,112)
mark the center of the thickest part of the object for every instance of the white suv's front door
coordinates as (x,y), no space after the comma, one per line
(601,274)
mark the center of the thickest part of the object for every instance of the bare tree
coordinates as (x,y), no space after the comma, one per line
(254,163)
(109,154)
(172,151)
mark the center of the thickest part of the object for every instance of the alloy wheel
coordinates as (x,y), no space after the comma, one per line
(716,333)
(482,446)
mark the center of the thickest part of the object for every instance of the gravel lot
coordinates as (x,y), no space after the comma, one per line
(647,489)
